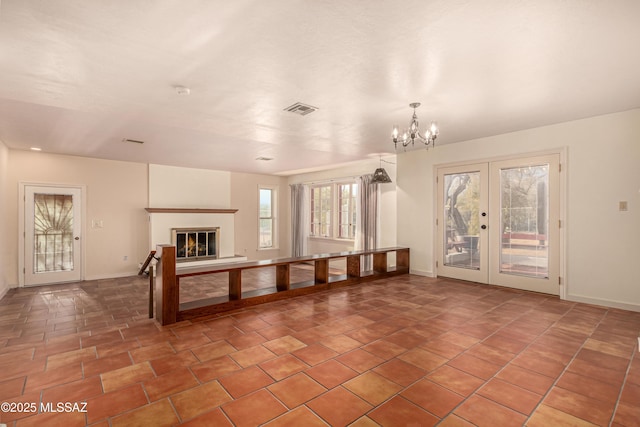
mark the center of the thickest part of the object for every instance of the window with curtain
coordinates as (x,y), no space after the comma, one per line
(266,228)
(333,210)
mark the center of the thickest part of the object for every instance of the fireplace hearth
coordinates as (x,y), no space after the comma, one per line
(196,244)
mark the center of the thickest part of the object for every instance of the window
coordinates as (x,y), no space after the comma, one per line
(347,210)
(321,211)
(266,227)
(333,210)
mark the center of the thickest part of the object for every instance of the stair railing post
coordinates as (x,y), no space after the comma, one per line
(167,294)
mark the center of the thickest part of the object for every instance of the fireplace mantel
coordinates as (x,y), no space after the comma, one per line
(191,210)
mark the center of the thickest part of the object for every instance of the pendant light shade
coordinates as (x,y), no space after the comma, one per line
(380,176)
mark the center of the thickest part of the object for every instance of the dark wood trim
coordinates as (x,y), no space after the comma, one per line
(214,306)
(167,288)
(380,263)
(283,278)
(190,210)
(146,262)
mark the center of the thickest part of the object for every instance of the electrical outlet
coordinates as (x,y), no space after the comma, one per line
(125,258)
(622,205)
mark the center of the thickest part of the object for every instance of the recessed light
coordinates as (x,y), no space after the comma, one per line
(181,90)
(36,149)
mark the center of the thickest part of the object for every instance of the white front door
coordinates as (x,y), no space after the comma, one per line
(498,223)
(53,221)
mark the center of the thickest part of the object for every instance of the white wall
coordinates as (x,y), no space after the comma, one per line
(116,195)
(5,247)
(603,168)
(387,235)
(244,197)
(176,187)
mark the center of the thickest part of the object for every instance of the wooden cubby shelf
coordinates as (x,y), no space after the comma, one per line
(167,286)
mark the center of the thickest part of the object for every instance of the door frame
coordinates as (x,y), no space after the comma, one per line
(22,229)
(562,247)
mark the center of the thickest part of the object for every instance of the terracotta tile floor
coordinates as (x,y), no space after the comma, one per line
(403,351)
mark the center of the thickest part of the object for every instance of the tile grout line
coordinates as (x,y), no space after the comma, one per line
(497,372)
(624,383)
(566,368)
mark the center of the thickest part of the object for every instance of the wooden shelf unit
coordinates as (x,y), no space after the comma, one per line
(169,310)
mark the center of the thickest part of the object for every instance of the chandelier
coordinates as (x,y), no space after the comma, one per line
(412,134)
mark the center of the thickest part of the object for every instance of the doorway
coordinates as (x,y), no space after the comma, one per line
(498,223)
(52,234)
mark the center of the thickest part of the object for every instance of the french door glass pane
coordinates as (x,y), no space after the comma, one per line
(461,213)
(53,233)
(524,221)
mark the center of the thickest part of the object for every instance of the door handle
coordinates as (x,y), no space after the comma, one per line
(76,238)
(484,227)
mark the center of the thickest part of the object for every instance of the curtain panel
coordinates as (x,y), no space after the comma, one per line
(367,225)
(300,219)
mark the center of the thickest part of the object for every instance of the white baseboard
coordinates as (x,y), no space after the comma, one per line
(4,290)
(421,272)
(604,302)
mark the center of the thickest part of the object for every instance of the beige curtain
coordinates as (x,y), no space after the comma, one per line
(367,225)
(300,219)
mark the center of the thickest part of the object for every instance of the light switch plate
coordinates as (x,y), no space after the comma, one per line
(622,205)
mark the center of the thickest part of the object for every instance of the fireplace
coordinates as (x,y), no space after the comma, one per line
(196,244)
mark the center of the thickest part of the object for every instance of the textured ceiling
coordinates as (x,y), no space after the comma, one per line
(79,76)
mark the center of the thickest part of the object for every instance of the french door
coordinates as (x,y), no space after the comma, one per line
(52,223)
(498,223)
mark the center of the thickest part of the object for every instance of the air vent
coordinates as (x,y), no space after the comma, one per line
(135,141)
(301,109)
(264,159)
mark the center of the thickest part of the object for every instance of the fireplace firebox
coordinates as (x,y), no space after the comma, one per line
(196,244)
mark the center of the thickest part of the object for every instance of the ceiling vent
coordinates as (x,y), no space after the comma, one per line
(264,159)
(301,109)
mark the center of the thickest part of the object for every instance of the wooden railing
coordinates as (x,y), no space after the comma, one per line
(167,295)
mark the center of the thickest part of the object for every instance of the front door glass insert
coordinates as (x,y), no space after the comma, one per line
(53,233)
